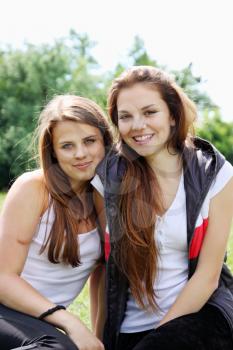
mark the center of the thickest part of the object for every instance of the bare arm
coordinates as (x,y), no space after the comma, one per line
(19,218)
(205,279)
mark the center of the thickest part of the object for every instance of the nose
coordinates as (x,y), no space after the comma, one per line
(139,123)
(80,152)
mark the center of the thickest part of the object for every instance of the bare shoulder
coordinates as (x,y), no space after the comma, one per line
(34,177)
(23,207)
(29,187)
(221,209)
(31,180)
(226,193)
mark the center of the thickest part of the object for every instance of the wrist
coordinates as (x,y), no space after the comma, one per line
(65,320)
(60,319)
(51,311)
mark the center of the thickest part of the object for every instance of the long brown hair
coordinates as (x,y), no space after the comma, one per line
(68,207)
(140,199)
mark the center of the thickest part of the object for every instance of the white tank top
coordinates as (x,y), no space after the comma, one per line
(60,283)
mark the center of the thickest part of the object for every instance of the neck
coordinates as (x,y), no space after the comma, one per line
(166,164)
(79,189)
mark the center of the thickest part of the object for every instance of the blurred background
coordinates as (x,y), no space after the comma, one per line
(49,47)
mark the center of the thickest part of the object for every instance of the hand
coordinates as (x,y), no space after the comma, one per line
(84,339)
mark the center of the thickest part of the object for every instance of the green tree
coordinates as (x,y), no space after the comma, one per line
(85,79)
(139,55)
(185,78)
(219,132)
(28,78)
(192,85)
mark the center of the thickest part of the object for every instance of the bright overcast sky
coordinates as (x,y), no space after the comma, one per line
(175,32)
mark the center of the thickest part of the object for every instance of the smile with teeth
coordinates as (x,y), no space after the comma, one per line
(143,138)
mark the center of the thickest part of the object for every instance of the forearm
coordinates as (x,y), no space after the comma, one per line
(19,295)
(193,297)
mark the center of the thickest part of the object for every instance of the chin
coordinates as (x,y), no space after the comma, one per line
(145,151)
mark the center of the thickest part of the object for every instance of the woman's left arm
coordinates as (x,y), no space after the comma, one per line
(205,280)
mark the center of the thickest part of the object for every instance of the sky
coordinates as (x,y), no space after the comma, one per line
(175,33)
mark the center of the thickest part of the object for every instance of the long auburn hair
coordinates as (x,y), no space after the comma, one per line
(140,196)
(69,211)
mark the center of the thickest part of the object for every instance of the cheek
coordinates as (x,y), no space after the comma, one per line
(123,128)
(98,152)
(61,157)
(64,158)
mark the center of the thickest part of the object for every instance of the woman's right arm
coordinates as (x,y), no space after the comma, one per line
(19,218)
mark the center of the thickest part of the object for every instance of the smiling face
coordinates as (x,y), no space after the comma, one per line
(144,119)
(78,148)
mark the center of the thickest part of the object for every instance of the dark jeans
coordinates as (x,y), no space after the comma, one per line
(18,330)
(204,330)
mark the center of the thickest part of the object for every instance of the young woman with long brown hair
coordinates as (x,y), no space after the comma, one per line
(49,241)
(169,205)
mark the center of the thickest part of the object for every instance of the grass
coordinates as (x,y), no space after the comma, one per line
(81,305)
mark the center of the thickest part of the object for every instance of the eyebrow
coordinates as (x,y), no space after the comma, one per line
(143,108)
(90,136)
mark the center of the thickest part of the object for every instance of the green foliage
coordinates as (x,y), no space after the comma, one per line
(29,77)
(2,197)
(139,55)
(185,78)
(192,86)
(219,132)
(81,306)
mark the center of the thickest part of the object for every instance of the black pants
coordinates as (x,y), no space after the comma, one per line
(204,330)
(18,330)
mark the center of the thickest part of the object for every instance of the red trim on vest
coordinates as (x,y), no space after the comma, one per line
(106,245)
(197,240)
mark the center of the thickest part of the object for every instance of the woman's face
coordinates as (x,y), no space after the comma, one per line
(78,148)
(144,119)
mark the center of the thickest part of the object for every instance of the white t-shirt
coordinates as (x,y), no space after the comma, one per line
(171,240)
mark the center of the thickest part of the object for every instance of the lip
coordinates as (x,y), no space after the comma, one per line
(83,165)
(142,139)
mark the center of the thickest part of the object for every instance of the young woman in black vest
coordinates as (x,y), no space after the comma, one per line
(169,205)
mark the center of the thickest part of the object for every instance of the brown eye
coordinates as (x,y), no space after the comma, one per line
(89,141)
(124,116)
(151,112)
